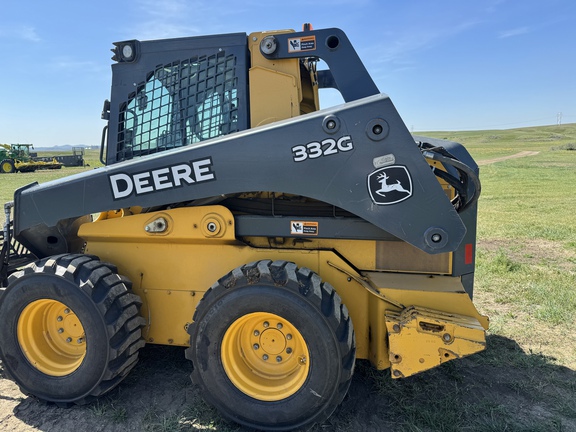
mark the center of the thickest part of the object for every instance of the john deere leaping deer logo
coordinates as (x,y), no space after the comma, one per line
(390,185)
(385,187)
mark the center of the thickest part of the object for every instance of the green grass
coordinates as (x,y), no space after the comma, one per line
(526,265)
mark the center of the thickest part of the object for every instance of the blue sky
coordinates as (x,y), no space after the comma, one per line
(447,65)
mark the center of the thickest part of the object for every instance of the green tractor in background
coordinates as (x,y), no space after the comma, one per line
(17,157)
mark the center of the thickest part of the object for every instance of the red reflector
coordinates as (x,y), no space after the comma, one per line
(469,253)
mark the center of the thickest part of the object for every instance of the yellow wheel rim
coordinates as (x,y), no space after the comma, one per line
(6,167)
(265,356)
(51,337)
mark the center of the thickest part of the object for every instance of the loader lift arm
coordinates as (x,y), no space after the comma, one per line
(215,168)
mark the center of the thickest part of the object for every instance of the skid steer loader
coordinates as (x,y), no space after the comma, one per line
(277,241)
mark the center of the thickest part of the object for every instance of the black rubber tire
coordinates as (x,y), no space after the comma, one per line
(7,166)
(108,311)
(313,307)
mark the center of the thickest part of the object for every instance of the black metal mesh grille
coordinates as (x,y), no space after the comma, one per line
(178,104)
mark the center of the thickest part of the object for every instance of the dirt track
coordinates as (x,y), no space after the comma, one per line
(503,158)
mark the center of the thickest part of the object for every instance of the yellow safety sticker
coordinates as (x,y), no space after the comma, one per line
(303,228)
(305,43)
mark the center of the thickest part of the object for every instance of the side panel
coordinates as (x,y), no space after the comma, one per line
(279,88)
(172,269)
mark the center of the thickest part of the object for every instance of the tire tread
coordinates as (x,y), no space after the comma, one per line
(303,281)
(119,307)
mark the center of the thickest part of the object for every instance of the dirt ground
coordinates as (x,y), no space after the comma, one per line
(475,393)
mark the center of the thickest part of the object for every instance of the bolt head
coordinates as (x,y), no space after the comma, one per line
(279,326)
(256,333)
(69,340)
(60,330)
(256,346)
(266,324)
(59,319)
(278,359)
(265,357)
(288,350)
(289,336)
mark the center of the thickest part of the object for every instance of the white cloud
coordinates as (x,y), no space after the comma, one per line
(167,19)
(414,39)
(23,32)
(513,32)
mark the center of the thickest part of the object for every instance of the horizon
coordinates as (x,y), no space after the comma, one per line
(412,132)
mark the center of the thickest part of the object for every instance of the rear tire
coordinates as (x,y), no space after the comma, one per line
(272,346)
(7,166)
(70,329)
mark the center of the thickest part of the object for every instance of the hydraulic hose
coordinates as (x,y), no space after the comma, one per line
(441,155)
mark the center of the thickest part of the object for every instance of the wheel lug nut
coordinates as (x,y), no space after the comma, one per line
(59,319)
(289,336)
(279,326)
(302,360)
(80,340)
(265,357)
(69,340)
(288,350)
(60,330)
(256,333)
(255,346)
(265,324)
(66,311)
(278,359)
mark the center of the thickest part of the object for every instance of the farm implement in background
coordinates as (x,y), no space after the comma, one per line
(18,158)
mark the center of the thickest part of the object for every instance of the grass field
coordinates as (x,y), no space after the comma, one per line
(526,275)
(525,281)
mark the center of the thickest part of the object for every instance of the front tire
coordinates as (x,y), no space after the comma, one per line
(71,329)
(7,166)
(272,346)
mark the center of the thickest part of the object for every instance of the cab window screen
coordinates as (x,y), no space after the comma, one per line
(178,104)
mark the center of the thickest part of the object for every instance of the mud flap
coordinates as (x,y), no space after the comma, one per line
(420,339)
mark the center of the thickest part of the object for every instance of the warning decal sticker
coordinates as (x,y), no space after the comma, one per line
(303,228)
(305,43)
